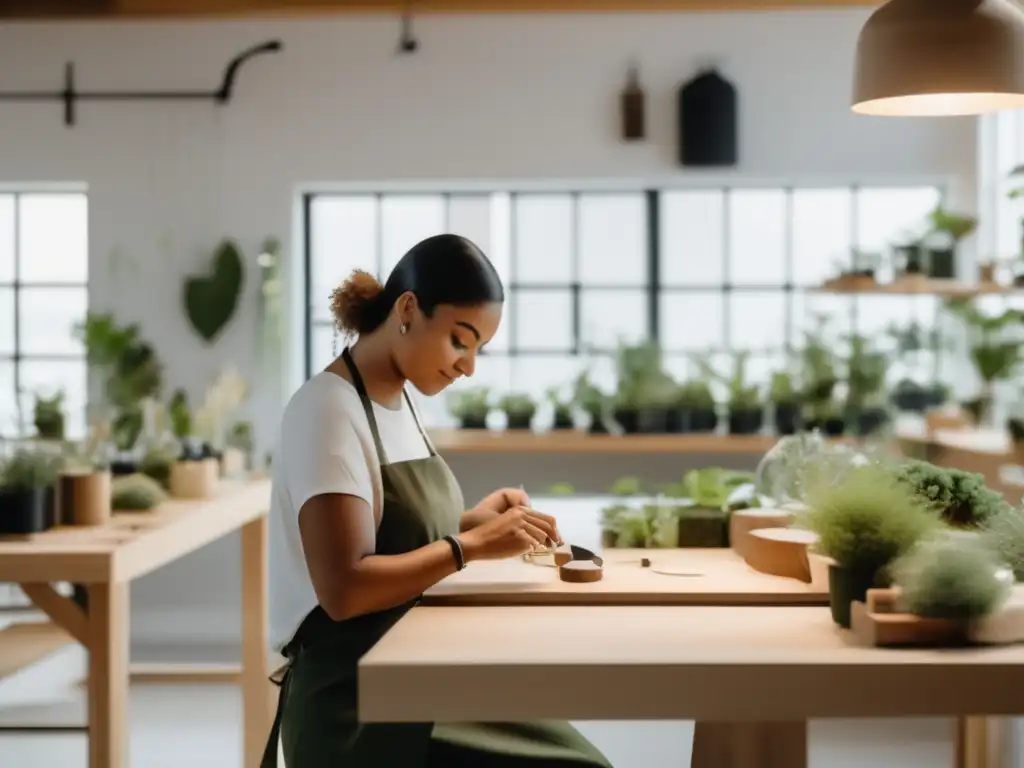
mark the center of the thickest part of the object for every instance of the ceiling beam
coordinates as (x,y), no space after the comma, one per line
(155,9)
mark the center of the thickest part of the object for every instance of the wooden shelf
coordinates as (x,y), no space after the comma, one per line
(453,441)
(909,286)
(23,644)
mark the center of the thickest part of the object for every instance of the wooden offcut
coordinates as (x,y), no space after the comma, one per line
(780,552)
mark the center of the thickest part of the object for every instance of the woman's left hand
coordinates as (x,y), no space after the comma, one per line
(497,503)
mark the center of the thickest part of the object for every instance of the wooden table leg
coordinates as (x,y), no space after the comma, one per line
(257,702)
(108,675)
(749,745)
(979,743)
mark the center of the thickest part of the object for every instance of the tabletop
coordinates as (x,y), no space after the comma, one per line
(676,577)
(697,663)
(132,543)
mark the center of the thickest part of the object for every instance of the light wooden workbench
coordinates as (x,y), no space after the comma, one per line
(751,677)
(106,559)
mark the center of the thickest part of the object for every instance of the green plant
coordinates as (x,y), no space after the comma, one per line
(781,390)
(29,470)
(995,353)
(1004,534)
(211,299)
(157,465)
(470,404)
(953,579)
(955,225)
(136,493)
(742,395)
(180,415)
(866,368)
(711,487)
(48,416)
(697,395)
(865,520)
(819,363)
(588,396)
(627,486)
(562,489)
(240,436)
(961,498)
(639,373)
(515,404)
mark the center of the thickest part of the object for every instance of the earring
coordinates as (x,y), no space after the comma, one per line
(403,328)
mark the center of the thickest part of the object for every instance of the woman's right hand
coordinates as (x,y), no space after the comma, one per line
(512,533)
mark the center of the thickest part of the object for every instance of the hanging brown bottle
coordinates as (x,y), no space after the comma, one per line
(632,107)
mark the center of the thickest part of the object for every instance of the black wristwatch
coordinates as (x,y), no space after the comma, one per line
(457,553)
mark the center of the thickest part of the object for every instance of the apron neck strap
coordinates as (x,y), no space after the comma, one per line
(357,380)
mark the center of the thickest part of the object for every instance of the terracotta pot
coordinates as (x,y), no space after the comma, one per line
(194,479)
(84,498)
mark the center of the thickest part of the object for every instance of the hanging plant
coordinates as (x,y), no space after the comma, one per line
(211,299)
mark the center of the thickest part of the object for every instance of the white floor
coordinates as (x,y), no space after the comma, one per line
(199,727)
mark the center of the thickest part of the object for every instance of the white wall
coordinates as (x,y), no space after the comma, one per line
(487,98)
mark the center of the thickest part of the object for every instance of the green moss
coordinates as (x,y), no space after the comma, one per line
(136,493)
(1004,535)
(961,498)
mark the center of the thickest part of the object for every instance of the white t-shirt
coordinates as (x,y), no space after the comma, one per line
(325,446)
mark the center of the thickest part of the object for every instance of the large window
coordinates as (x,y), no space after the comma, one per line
(698,270)
(43,293)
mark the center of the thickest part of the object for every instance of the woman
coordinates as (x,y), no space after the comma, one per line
(372,517)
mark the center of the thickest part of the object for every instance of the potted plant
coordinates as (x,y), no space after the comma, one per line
(27,492)
(471,407)
(698,408)
(864,520)
(1003,533)
(866,368)
(995,349)
(639,373)
(785,403)
(519,409)
(703,502)
(910,396)
(562,410)
(619,527)
(820,376)
(592,401)
(938,248)
(136,493)
(48,416)
(746,411)
(826,416)
(237,459)
(961,498)
(656,398)
(85,480)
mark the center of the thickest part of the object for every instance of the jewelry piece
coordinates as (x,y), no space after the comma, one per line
(403,328)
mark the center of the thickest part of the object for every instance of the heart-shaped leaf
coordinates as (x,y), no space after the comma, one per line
(211,300)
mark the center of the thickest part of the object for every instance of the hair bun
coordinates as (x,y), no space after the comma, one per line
(353,302)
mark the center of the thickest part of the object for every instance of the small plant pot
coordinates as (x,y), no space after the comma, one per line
(24,511)
(518,420)
(1015,427)
(844,587)
(787,418)
(941,263)
(677,420)
(911,401)
(746,421)
(122,467)
(652,421)
(563,420)
(233,463)
(704,528)
(628,419)
(870,420)
(935,396)
(85,498)
(473,422)
(194,479)
(703,420)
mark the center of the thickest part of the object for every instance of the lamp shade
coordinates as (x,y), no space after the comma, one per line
(940,57)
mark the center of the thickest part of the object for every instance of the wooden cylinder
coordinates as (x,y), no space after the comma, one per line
(580,572)
(781,552)
(84,498)
(743,521)
(194,479)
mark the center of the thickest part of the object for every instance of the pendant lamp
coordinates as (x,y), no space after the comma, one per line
(940,57)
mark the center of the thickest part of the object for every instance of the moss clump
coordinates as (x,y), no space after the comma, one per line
(1004,535)
(136,493)
(961,498)
(866,520)
(953,579)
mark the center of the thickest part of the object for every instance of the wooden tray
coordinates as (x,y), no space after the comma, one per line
(880,622)
(675,577)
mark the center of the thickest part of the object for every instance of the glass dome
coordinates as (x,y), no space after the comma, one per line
(784,471)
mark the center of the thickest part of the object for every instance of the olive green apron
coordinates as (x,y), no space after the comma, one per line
(317,717)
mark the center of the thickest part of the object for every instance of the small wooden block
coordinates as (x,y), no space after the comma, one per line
(780,552)
(883,600)
(580,572)
(902,629)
